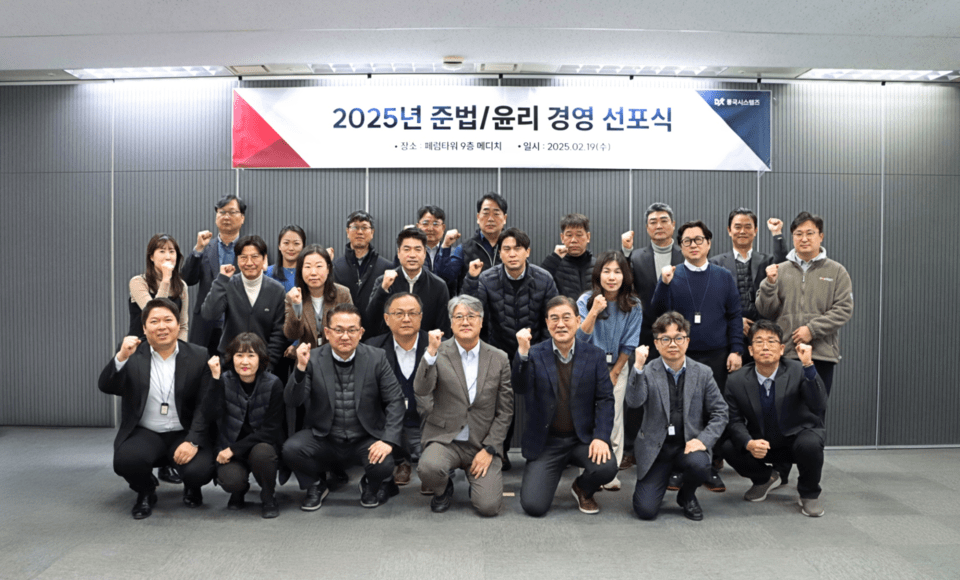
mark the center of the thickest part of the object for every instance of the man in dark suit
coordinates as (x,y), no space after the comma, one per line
(360,263)
(353,412)
(162,384)
(411,276)
(776,416)
(464,396)
(248,302)
(404,346)
(569,405)
(203,264)
(683,416)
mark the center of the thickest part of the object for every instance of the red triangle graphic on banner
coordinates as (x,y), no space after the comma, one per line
(256,143)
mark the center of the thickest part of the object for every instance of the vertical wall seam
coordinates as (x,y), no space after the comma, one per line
(883,144)
(366,190)
(113,233)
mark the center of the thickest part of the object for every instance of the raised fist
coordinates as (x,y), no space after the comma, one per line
(450,237)
(476,267)
(330,251)
(166,269)
(388,277)
(435,337)
(524,336)
(641,354)
(599,304)
(303,355)
(626,240)
(775,226)
(560,250)
(227,270)
(667,273)
(805,352)
(127,347)
(772,270)
(203,238)
(214,364)
(295,296)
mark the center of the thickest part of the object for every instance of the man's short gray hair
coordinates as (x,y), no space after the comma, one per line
(659,206)
(469,301)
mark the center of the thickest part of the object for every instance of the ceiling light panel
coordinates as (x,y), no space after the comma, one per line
(149,72)
(924,76)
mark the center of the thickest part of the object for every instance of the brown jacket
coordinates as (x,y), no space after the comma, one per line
(305,328)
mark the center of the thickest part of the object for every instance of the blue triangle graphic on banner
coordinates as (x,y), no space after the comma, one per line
(748,114)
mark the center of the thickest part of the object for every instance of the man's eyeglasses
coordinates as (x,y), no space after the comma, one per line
(666,340)
(458,318)
(401,315)
(351,332)
(687,242)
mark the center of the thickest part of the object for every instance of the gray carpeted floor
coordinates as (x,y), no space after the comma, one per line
(64,514)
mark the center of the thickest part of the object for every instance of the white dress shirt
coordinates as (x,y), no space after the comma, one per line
(161,391)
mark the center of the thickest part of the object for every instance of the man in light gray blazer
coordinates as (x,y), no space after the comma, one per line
(466,402)
(684,415)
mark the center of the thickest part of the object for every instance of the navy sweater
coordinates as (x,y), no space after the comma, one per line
(714,295)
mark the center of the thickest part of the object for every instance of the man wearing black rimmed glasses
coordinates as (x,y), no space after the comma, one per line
(353,412)
(776,416)
(707,296)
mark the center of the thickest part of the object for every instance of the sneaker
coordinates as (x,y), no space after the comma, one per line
(368,495)
(714,483)
(759,491)
(675,481)
(314,498)
(810,507)
(628,461)
(401,474)
(587,505)
(613,485)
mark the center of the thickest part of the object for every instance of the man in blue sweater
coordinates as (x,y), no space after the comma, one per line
(707,296)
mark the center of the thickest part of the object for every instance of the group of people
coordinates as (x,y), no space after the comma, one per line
(314,364)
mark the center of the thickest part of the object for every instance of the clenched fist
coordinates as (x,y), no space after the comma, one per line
(295,296)
(127,347)
(667,273)
(330,251)
(388,278)
(303,356)
(203,238)
(450,237)
(641,354)
(805,352)
(626,240)
(166,269)
(775,226)
(476,267)
(524,336)
(772,270)
(599,304)
(214,364)
(227,270)
(560,250)
(435,336)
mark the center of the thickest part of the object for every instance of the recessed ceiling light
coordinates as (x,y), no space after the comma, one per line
(149,72)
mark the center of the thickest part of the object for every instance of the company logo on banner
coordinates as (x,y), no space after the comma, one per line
(463,126)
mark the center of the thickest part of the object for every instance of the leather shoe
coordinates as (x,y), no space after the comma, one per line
(192,497)
(628,461)
(368,496)
(424,490)
(675,481)
(401,475)
(388,489)
(270,508)
(691,509)
(441,503)
(314,498)
(236,501)
(169,474)
(714,483)
(144,506)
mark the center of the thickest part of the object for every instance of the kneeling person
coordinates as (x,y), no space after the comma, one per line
(569,404)
(683,416)
(162,385)
(246,403)
(354,412)
(776,416)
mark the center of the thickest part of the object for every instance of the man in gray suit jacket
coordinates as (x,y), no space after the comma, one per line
(683,416)
(464,396)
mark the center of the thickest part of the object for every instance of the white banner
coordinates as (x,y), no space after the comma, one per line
(467,126)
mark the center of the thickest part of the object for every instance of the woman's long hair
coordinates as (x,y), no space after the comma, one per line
(626,299)
(329,291)
(278,274)
(150,274)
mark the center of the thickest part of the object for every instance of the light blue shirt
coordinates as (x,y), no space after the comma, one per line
(619,333)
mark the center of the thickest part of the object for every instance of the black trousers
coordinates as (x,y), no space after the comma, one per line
(136,457)
(825,370)
(650,490)
(805,449)
(541,476)
(262,461)
(310,456)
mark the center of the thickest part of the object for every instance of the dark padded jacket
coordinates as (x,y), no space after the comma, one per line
(571,274)
(346,271)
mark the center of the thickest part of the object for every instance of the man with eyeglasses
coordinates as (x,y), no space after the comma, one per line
(684,415)
(466,403)
(353,408)
(707,296)
(360,265)
(411,276)
(203,264)
(483,246)
(569,412)
(571,263)
(404,346)
(809,295)
(776,408)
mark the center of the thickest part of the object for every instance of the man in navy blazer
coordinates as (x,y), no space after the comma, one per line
(569,406)
(162,384)
(202,266)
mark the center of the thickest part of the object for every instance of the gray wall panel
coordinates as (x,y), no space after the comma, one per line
(826,128)
(179,203)
(174,126)
(64,128)
(850,206)
(919,402)
(922,129)
(65,218)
